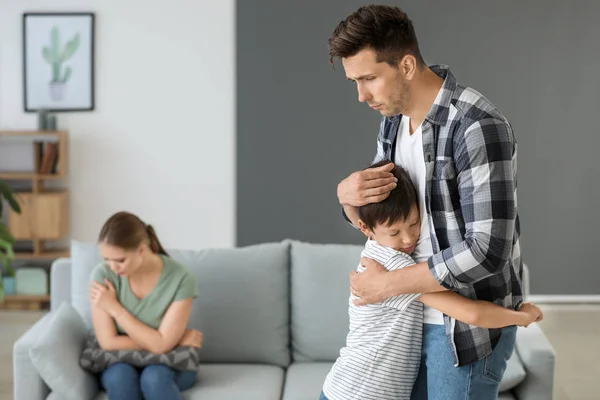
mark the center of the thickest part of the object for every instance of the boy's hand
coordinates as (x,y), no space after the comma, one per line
(193,338)
(369,186)
(533,312)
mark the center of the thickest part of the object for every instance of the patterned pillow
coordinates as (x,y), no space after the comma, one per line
(94,359)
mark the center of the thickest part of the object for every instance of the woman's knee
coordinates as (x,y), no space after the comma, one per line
(156,377)
(120,377)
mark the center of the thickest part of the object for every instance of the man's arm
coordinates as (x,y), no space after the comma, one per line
(375,284)
(483,157)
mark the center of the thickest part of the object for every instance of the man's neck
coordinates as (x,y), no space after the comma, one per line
(424,92)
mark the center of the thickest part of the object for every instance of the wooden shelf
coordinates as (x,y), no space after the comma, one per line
(31,133)
(26,175)
(46,255)
(24,302)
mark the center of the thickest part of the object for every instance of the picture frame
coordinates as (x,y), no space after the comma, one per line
(58,61)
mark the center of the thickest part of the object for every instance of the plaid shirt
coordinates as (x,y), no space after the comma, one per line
(470,155)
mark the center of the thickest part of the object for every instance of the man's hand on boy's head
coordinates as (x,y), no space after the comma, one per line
(368,186)
(370,285)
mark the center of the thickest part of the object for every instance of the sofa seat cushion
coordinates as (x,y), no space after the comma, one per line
(304,380)
(229,381)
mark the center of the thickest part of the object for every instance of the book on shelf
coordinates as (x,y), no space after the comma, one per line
(47,157)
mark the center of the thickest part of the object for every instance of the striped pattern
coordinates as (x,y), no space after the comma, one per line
(383,348)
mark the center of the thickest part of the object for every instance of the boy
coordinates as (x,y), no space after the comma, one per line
(383,348)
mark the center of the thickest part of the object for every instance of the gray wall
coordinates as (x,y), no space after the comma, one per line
(300,128)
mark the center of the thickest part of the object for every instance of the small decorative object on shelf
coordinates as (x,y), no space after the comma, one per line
(51,123)
(31,281)
(42,115)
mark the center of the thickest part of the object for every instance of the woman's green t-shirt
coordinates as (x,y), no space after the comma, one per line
(176,283)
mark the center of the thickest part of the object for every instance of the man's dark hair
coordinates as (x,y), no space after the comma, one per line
(397,206)
(385,29)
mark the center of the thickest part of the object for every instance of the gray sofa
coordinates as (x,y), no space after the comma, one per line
(274,317)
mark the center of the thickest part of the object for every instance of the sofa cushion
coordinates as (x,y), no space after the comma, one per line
(320,292)
(85,256)
(55,355)
(304,380)
(243,302)
(226,382)
(243,299)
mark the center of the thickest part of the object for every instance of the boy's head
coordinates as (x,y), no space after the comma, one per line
(394,222)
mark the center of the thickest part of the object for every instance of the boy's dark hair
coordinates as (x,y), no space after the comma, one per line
(385,29)
(397,206)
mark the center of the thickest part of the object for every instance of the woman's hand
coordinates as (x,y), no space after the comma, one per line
(193,338)
(533,312)
(105,297)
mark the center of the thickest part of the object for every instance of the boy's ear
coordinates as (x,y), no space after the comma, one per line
(364,228)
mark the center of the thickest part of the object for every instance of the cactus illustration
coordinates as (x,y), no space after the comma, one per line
(56,56)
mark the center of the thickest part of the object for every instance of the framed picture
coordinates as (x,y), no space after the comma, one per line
(58,61)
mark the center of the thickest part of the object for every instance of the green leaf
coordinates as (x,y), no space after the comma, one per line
(8,250)
(6,191)
(55,42)
(5,233)
(67,74)
(70,48)
(6,256)
(47,55)
(6,262)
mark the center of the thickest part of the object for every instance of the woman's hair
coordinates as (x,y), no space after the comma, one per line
(385,29)
(397,206)
(128,231)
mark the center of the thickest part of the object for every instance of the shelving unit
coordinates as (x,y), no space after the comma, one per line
(25,302)
(44,213)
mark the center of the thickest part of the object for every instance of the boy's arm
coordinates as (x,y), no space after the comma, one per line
(480,313)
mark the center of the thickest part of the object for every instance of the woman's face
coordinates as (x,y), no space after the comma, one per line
(122,262)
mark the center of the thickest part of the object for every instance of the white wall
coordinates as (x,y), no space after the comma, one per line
(161,140)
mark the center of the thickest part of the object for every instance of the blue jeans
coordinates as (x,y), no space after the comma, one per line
(438,379)
(155,382)
(322,397)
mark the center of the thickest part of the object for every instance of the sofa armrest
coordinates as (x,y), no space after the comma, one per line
(28,384)
(538,357)
(60,283)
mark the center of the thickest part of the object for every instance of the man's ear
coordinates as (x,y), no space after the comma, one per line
(408,66)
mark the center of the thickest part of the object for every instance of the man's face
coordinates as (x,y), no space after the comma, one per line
(383,87)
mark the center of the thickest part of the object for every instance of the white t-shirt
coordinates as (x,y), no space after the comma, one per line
(383,348)
(409,155)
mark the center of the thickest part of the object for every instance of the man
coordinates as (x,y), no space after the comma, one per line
(460,152)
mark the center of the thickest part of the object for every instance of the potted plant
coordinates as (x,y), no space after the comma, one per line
(56,55)
(7,240)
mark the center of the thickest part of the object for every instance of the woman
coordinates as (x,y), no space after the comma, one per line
(141,300)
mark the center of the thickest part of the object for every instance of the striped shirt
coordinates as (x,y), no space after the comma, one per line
(470,156)
(383,348)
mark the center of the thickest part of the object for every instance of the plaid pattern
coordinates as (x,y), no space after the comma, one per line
(470,154)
